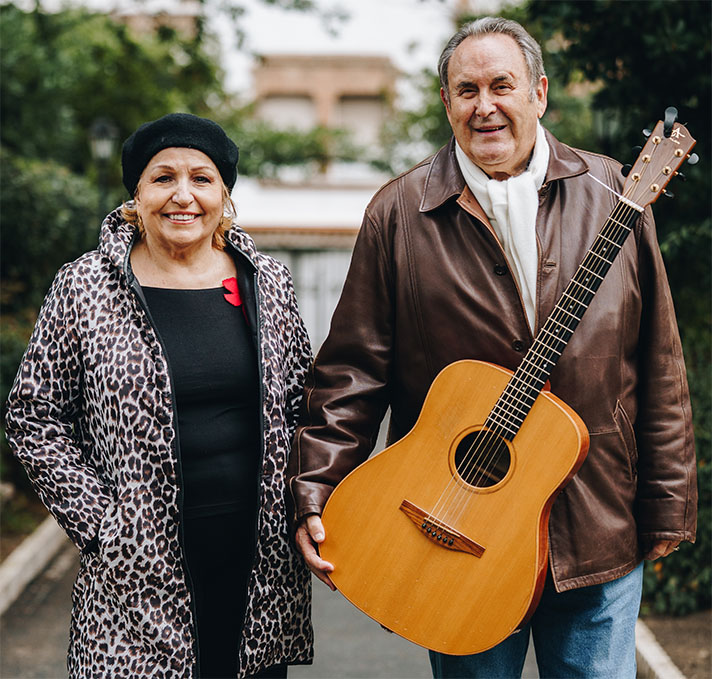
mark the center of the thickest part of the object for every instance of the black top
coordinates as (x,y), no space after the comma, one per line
(216,383)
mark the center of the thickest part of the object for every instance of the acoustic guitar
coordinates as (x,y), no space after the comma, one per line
(442,537)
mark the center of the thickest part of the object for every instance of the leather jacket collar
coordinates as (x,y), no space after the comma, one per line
(445,181)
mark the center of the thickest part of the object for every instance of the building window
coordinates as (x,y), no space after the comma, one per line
(288,112)
(363,116)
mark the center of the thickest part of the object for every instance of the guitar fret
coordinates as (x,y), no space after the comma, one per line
(608,251)
(516,394)
(526,396)
(612,242)
(581,285)
(623,224)
(501,409)
(561,334)
(538,355)
(507,420)
(568,313)
(546,346)
(593,273)
(511,428)
(508,430)
(546,331)
(502,412)
(507,399)
(523,398)
(535,372)
(595,254)
(575,300)
(565,327)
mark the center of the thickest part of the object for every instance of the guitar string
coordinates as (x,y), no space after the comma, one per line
(579,289)
(483,452)
(526,383)
(621,207)
(613,239)
(491,445)
(530,376)
(484,461)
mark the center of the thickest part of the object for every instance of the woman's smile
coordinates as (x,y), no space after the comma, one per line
(182,217)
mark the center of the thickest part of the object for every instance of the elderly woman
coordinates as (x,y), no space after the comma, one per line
(153,411)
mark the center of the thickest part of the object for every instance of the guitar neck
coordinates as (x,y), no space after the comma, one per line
(532,374)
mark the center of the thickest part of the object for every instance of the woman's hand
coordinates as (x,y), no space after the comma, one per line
(310,533)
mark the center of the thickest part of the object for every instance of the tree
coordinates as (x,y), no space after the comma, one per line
(62,71)
(640,57)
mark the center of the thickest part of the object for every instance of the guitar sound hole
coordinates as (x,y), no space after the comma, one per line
(482,459)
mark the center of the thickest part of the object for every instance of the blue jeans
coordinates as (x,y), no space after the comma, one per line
(587,632)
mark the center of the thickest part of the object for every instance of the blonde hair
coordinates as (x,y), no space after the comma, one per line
(129,212)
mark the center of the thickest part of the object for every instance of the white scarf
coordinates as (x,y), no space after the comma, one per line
(511,206)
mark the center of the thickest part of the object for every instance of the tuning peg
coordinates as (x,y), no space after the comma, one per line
(681,176)
(637,149)
(693,159)
(647,132)
(670,118)
(625,170)
(668,194)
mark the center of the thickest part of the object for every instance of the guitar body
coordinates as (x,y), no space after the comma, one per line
(467,595)
(442,537)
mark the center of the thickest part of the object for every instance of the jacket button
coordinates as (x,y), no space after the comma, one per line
(518,345)
(500,269)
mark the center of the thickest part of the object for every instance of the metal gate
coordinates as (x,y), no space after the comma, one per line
(318,279)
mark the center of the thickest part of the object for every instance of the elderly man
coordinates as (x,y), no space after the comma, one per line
(464,256)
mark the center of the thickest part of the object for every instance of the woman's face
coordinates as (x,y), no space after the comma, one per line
(180,198)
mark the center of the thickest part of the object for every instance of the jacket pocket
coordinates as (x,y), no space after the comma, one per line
(109,526)
(627,435)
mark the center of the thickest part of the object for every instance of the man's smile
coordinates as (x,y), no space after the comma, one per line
(489,129)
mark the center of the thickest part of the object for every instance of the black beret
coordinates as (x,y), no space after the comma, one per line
(182,130)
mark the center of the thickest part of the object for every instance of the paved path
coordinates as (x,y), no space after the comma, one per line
(34,631)
(34,635)
(349,644)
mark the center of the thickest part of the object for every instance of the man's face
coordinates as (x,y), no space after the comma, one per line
(490,109)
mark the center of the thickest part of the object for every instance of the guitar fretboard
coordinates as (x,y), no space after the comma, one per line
(529,379)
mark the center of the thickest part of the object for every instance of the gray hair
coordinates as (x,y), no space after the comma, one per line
(487,26)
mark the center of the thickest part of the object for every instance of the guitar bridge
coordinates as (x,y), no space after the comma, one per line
(439,532)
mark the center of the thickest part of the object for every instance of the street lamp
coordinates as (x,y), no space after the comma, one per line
(102,138)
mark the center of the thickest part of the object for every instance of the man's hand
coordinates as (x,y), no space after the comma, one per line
(660,548)
(310,533)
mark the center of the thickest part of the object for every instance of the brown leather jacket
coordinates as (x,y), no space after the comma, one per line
(429,284)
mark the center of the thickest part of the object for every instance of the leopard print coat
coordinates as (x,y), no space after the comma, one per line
(91,417)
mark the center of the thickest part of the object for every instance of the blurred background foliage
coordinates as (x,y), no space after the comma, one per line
(613,68)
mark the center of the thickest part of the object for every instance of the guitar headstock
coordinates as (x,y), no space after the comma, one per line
(658,162)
